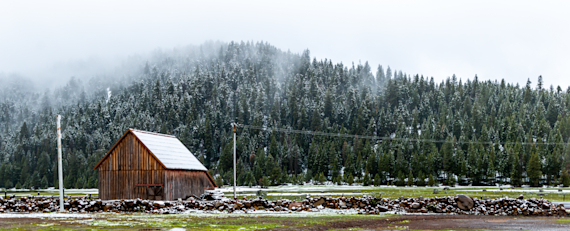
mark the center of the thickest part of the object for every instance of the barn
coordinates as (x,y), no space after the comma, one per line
(150,165)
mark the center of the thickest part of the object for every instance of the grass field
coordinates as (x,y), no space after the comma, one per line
(300,192)
(107,221)
(283,221)
(49,192)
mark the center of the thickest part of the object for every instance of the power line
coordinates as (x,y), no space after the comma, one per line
(318,133)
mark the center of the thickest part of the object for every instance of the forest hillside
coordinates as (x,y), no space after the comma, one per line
(410,129)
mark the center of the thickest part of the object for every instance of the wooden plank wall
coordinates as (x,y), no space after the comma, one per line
(130,163)
(184,183)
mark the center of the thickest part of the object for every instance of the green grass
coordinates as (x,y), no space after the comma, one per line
(564,221)
(51,192)
(299,193)
(191,221)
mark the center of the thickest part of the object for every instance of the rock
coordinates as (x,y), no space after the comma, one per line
(465,203)
(416,205)
(159,204)
(218,203)
(107,207)
(319,202)
(382,208)
(295,204)
(520,197)
(342,204)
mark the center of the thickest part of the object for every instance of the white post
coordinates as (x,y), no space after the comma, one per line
(60,166)
(234,127)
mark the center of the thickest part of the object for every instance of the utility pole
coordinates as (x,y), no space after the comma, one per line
(234,129)
(60,166)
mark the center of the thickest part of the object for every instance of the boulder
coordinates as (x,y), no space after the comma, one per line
(218,203)
(464,202)
(319,202)
(107,207)
(416,205)
(342,204)
(295,204)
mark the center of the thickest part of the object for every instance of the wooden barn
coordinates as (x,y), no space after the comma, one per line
(152,166)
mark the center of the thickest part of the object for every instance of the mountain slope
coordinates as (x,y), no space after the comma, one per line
(483,132)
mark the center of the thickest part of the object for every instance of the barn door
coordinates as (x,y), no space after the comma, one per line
(155,192)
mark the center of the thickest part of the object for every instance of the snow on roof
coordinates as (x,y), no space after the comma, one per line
(169,150)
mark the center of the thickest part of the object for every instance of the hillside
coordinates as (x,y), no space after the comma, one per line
(478,132)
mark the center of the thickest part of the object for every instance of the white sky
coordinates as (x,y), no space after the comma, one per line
(514,40)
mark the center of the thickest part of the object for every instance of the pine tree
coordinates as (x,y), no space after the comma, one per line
(421,179)
(366,179)
(401,181)
(44,182)
(377,180)
(349,179)
(410,178)
(516,174)
(431,181)
(565,178)
(534,169)
(328,109)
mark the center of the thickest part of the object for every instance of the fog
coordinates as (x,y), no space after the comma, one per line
(49,42)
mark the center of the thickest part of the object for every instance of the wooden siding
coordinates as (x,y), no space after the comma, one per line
(184,183)
(128,164)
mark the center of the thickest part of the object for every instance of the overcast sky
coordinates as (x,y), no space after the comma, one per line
(514,40)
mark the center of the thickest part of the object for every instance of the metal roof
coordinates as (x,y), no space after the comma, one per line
(169,150)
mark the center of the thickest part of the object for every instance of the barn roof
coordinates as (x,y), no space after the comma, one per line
(167,149)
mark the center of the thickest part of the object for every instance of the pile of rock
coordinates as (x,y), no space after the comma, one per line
(459,204)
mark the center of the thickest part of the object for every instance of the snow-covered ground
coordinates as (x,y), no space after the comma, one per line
(74,191)
(46,215)
(56,191)
(529,190)
(317,190)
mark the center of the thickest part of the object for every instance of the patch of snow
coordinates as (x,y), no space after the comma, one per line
(45,215)
(108,94)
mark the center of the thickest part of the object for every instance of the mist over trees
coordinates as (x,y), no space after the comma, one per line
(473,132)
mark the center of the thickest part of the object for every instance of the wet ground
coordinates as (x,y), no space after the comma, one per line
(460,222)
(445,222)
(393,222)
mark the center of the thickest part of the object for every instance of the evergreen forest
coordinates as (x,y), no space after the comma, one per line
(394,128)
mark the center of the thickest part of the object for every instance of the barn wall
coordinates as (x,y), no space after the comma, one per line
(129,163)
(184,183)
